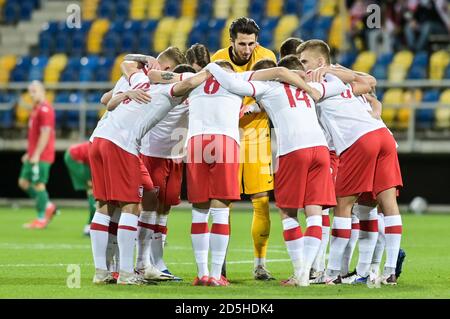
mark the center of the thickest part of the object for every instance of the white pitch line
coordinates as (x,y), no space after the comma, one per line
(169,263)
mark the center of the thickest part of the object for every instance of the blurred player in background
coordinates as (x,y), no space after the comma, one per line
(255,169)
(77,162)
(39,157)
(289,46)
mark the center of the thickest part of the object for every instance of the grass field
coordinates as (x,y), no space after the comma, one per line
(33,264)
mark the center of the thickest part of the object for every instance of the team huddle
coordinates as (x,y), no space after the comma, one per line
(333,151)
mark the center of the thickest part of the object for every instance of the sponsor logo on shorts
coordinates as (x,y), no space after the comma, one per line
(141,191)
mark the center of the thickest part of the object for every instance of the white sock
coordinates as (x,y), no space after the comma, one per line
(293,238)
(157,246)
(126,237)
(368,235)
(340,236)
(112,250)
(200,240)
(393,236)
(311,241)
(218,240)
(319,261)
(379,247)
(99,239)
(259,262)
(350,248)
(144,239)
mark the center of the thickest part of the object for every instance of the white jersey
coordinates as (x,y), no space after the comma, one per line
(293,114)
(122,85)
(345,118)
(167,138)
(214,110)
(128,123)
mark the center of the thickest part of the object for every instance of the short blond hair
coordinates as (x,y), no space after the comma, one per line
(318,46)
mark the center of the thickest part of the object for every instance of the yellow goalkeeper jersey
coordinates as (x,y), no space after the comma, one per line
(255,120)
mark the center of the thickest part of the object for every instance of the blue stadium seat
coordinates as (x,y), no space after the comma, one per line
(197,36)
(269,23)
(431,95)
(62,43)
(380,71)
(72,71)
(129,42)
(291,7)
(384,59)
(308,6)
(7,116)
(111,43)
(216,25)
(26,9)
(322,27)
(37,68)
(347,59)
(149,26)
(11,12)
(447,72)
(46,43)
(122,11)
(265,38)
(172,8)
(20,72)
(420,58)
(106,9)
(256,9)
(132,26)
(103,72)
(204,9)
(424,118)
(417,72)
(78,44)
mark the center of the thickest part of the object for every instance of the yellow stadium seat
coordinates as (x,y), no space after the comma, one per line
(183,26)
(365,61)
(163,33)
(222,9)
(138,9)
(23,109)
(226,34)
(388,116)
(442,116)
(189,8)
(155,9)
(116,72)
(438,63)
(89,9)
(7,64)
(55,66)
(284,29)
(327,7)
(274,8)
(239,8)
(337,29)
(403,118)
(393,96)
(445,97)
(50,96)
(101,112)
(95,36)
(400,65)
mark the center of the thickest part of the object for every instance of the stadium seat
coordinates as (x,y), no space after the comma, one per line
(274,8)
(403,118)
(431,96)
(172,8)
(424,118)
(379,72)
(54,67)
(122,11)
(335,39)
(291,7)
(188,8)
(388,115)
(215,27)
(204,9)
(89,9)
(116,73)
(256,9)
(37,68)
(327,7)
(20,72)
(155,9)
(284,29)
(163,32)
(393,97)
(347,58)
(7,64)
(438,63)
(442,115)
(240,8)
(106,9)
(183,26)
(111,43)
(322,27)
(11,12)
(365,61)
(95,36)
(308,7)
(400,65)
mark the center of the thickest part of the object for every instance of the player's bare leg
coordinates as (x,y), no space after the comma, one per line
(393,232)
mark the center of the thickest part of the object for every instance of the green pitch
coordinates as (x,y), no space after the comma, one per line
(35,264)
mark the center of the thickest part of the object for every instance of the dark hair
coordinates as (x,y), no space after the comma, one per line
(289,46)
(264,64)
(291,62)
(243,25)
(174,54)
(224,64)
(318,46)
(182,68)
(199,54)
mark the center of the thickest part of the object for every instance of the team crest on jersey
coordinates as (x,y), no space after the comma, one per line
(141,191)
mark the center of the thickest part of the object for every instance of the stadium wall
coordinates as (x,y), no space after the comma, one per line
(426,175)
